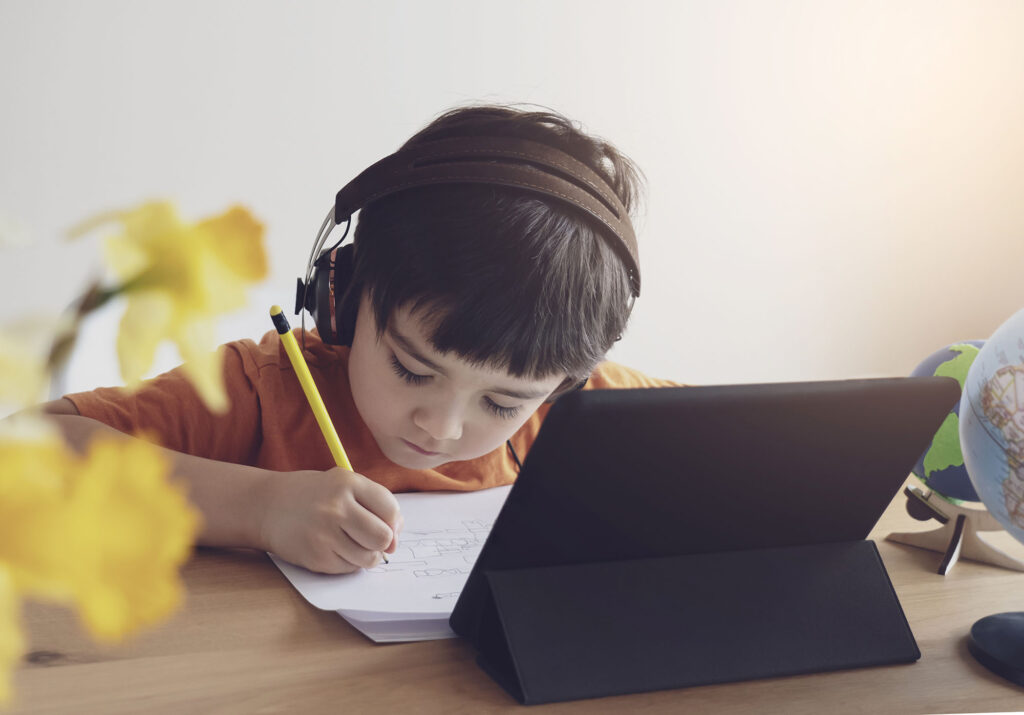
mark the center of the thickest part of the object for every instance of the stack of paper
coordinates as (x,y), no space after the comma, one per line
(411,597)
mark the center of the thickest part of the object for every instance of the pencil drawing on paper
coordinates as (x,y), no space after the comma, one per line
(427,553)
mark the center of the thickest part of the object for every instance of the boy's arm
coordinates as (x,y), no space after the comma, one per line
(229,496)
(334,521)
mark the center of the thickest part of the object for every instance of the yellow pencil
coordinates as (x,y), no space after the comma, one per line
(309,387)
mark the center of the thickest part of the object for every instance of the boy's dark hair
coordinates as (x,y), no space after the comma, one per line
(505,278)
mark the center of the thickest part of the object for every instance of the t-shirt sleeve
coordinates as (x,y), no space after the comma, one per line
(168,410)
(610,375)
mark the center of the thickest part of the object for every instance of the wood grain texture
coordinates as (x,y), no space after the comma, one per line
(246,642)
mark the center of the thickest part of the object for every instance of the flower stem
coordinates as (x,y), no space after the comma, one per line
(64,342)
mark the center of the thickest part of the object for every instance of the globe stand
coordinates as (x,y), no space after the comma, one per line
(958,535)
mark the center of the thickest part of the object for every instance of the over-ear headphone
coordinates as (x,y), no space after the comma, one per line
(327,291)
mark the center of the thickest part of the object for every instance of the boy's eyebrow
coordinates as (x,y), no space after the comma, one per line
(408,347)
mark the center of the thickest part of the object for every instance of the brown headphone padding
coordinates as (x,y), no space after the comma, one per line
(504,161)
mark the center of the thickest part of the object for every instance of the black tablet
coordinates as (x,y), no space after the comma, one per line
(626,474)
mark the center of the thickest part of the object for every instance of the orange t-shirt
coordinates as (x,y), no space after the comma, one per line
(270,424)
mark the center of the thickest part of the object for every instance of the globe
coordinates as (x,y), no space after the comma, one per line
(941,466)
(992,425)
(992,440)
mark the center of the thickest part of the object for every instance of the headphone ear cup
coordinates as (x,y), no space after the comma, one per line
(346,295)
(316,297)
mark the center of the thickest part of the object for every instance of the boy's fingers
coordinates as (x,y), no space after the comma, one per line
(353,552)
(368,530)
(379,501)
(396,530)
(335,564)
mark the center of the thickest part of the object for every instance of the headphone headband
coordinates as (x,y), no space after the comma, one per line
(505,161)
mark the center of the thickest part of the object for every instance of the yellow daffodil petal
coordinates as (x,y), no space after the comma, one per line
(92,223)
(24,347)
(237,238)
(177,275)
(152,222)
(145,323)
(33,536)
(132,529)
(12,643)
(149,219)
(217,290)
(23,378)
(204,367)
(151,251)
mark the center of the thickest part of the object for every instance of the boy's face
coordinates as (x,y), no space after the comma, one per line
(426,408)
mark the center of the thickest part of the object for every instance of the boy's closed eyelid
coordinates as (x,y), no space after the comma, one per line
(405,373)
(408,358)
(501,411)
(410,350)
(396,359)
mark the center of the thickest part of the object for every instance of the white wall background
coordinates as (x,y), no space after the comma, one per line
(834,187)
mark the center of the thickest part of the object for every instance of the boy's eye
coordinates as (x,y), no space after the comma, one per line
(406,374)
(505,413)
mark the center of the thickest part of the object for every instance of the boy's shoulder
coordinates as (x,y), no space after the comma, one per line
(269,351)
(611,375)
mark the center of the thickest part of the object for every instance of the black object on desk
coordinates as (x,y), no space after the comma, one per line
(671,537)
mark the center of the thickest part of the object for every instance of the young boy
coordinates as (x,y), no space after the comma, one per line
(476,305)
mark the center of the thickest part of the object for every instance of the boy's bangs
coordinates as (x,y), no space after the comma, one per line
(516,286)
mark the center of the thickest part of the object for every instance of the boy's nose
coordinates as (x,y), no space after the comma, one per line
(442,422)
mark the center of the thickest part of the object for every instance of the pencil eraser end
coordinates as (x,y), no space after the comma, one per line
(280,322)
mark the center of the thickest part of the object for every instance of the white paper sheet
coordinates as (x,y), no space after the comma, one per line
(443,535)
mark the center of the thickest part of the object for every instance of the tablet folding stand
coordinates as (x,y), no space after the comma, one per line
(591,630)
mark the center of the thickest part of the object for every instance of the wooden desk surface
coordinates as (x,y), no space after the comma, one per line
(246,642)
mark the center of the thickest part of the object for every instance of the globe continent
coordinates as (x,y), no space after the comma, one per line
(941,467)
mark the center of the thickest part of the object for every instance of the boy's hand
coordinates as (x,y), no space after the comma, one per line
(332,522)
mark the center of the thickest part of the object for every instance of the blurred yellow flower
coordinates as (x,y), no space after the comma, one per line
(34,545)
(177,279)
(12,643)
(23,375)
(34,557)
(106,532)
(130,530)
